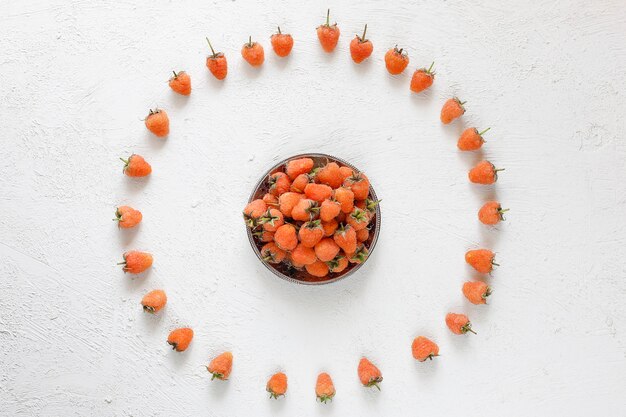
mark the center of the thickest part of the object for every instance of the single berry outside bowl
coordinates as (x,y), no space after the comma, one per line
(284,269)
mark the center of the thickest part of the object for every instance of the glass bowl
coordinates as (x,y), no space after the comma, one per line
(301,276)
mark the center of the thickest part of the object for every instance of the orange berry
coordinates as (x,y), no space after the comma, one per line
(424,348)
(326,249)
(305,210)
(338,264)
(458,323)
(329,210)
(318,269)
(345,238)
(362,235)
(127,217)
(330,227)
(359,256)
(135,262)
(136,166)
(484,173)
(154,301)
(221,366)
(361,48)
(277,385)
(287,201)
(281,43)
(158,123)
(271,200)
(359,184)
(422,79)
(318,192)
(369,374)
(330,174)
(253,211)
(253,53)
(272,220)
(396,60)
(286,237)
(271,253)
(328,34)
(324,388)
(216,63)
(476,292)
(482,260)
(181,83)
(345,197)
(264,235)
(293,263)
(303,255)
(311,233)
(180,339)
(279,183)
(300,182)
(471,139)
(299,166)
(491,213)
(345,173)
(452,109)
(358,219)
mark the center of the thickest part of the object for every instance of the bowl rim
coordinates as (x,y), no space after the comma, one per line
(279,274)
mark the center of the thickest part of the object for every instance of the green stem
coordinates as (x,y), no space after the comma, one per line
(175,75)
(470,330)
(210,46)
(431,67)
(499,169)
(364,32)
(328,17)
(279,32)
(250,42)
(124,160)
(504,210)
(484,131)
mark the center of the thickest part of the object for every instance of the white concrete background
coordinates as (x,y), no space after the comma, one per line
(78,77)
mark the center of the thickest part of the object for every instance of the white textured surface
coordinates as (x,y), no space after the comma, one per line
(76,80)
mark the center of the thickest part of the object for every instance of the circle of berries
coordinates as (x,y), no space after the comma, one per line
(396,61)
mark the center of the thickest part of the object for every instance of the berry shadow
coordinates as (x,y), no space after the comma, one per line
(427,369)
(133,186)
(250,71)
(126,236)
(423,100)
(155,142)
(371,395)
(214,83)
(133,283)
(398,82)
(217,388)
(178,100)
(178,359)
(277,405)
(327,57)
(363,69)
(281,62)
(154,322)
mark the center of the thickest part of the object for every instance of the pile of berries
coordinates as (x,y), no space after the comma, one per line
(311,219)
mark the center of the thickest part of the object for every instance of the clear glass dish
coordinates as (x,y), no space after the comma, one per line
(301,276)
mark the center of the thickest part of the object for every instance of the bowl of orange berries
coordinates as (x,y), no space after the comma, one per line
(313,219)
